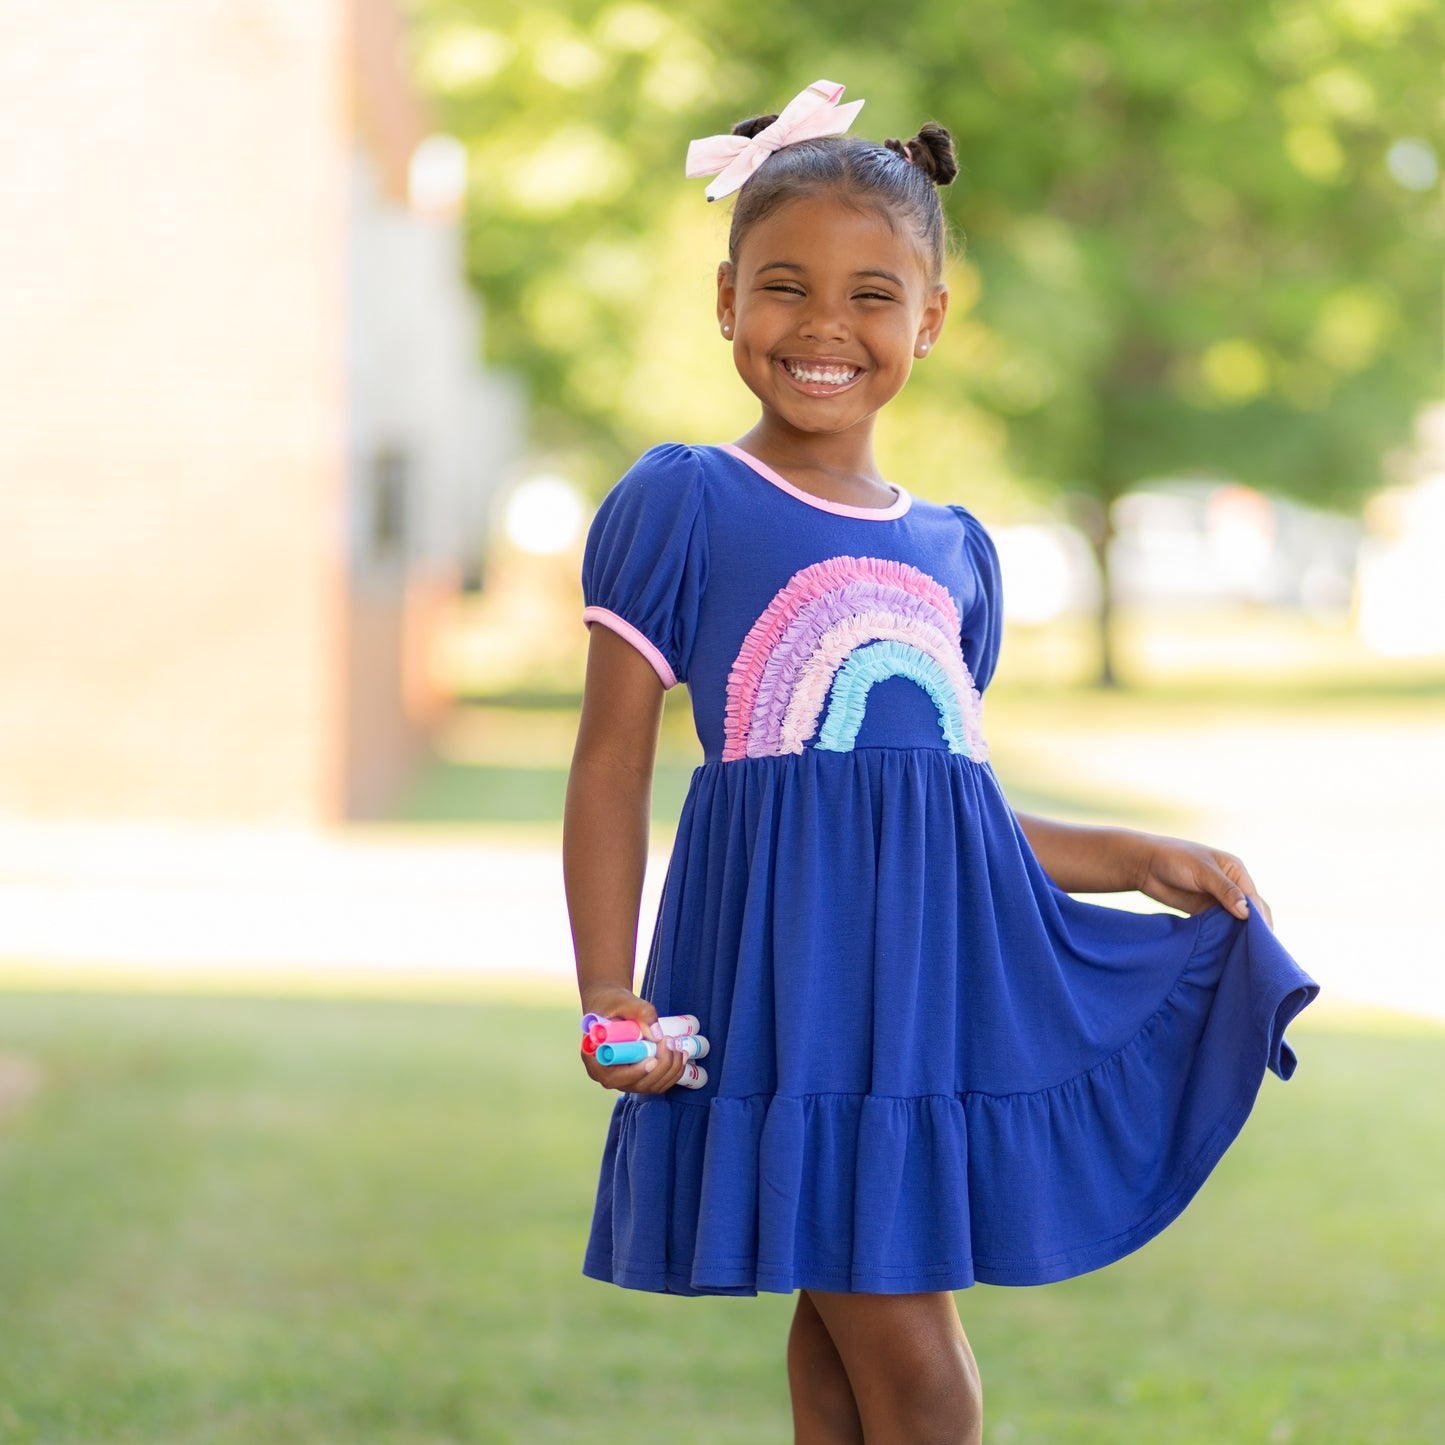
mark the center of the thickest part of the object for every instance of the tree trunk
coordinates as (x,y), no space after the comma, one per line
(1107,676)
(1093,515)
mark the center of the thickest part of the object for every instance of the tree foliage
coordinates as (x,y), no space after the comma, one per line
(1183,249)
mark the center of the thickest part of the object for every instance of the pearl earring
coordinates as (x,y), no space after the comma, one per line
(727,331)
(923,348)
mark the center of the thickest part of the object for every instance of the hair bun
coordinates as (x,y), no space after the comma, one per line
(750,128)
(931,150)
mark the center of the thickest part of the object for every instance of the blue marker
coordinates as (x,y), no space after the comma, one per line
(629,1053)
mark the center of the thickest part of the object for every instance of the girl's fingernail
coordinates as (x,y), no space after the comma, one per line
(649,1066)
(656,1031)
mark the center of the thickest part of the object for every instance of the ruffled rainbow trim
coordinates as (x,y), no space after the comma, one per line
(833,631)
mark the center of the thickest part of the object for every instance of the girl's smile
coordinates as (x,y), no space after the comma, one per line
(820,376)
(827,306)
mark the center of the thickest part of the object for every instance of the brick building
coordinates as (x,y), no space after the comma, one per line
(245,440)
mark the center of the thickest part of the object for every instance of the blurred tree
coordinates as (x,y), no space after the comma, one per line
(1186,250)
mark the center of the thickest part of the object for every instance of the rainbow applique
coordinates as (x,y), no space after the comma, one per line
(837,628)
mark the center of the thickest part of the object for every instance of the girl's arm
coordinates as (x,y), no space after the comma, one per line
(604,844)
(1184,875)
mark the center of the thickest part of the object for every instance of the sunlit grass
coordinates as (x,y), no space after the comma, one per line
(249,1220)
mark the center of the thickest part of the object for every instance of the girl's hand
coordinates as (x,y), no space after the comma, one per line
(651,1076)
(1193,876)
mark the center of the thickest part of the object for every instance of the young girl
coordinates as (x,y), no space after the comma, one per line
(929,1063)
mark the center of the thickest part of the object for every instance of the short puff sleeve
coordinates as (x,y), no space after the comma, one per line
(645,563)
(983,626)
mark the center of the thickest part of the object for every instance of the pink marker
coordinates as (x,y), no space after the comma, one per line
(693,1077)
(624,1031)
(615,1031)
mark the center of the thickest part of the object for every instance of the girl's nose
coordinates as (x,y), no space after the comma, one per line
(824,321)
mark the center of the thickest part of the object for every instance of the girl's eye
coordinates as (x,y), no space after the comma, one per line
(783,286)
(875,296)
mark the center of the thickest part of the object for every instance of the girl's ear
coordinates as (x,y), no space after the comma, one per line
(931,322)
(727,295)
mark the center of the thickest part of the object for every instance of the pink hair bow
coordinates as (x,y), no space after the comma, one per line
(814,113)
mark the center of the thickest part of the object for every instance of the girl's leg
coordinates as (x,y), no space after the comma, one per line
(824,1410)
(909,1364)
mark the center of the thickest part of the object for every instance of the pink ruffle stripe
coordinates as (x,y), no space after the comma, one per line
(624,629)
(871,579)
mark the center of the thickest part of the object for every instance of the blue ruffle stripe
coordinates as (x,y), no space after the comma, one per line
(870,664)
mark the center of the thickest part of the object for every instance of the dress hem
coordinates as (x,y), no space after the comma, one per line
(743,1276)
(747,1275)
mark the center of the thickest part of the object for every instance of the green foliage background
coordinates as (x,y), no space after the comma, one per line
(1182,249)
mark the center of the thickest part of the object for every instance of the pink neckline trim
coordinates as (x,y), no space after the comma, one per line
(870,514)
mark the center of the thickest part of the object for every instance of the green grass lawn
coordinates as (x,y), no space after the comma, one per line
(319,1221)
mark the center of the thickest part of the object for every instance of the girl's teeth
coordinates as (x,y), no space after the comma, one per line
(834,378)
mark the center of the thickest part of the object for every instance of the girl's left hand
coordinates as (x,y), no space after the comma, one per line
(1193,876)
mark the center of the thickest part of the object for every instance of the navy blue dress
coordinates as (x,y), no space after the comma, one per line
(929,1064)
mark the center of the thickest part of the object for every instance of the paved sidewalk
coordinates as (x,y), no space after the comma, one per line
(1338,821)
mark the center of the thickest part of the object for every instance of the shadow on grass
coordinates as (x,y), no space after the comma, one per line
(506,762)
(448,792)
(1283,690)
(1283,693)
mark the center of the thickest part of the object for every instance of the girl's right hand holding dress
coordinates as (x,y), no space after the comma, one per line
(651,1076)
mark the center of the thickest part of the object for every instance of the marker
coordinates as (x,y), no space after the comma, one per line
(631,1051)
(615,1031)
(634,1051)
(693,1077)
(588,1020)
(623,1031)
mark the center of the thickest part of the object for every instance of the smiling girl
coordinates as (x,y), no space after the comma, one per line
(930,1064)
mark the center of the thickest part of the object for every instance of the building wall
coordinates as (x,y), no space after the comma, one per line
(428,435)
(171,383)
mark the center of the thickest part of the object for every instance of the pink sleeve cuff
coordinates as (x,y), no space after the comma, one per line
(629,633)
